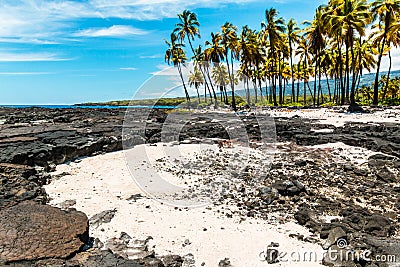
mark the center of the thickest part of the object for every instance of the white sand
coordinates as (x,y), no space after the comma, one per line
(338,119)
(346,153)
(103,183)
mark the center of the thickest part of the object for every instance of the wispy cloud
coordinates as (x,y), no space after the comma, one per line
(26,57)
(45,22)
(152,56)
(128,69)
(24,73)
(113,31)
(165,70)
(26,40)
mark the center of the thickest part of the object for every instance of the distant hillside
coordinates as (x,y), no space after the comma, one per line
(143,102)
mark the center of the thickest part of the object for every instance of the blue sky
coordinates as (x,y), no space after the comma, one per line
(65,52)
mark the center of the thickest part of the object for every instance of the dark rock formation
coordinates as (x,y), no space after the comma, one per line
(29,231)
(102,217)
(42,137)
(19,183)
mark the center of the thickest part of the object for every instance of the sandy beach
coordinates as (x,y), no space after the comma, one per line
(104,182)
(210,233)
(324,178)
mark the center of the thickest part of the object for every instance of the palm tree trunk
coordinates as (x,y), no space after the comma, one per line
(304,83)
(206,86)
(378,65)
(327,83)
(183,82)
(260,87)
(354,78)
(212,86)
(342,88)
(315,78)
(233,84)
(347,73)
(280,81)
(319,86)
(270,90)
(198,95)
(274,90)
(292,72)
(248,92)
(388,76)
(255,88)
(230,79)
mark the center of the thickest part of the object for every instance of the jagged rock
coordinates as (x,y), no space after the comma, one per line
(306,217)
(100,258)
(225,263)
(64,135)
(378,225)
(125,237)
(355,108)
(19,183)
(102,217)
(129,248)
(386,175)
(289,188)
(67,204)
(97,243)
(268,194)
(172,261)
(29,231)
(334,235)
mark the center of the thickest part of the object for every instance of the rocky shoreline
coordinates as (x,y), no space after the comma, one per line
(306,179)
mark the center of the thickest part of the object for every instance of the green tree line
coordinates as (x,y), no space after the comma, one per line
(345,39)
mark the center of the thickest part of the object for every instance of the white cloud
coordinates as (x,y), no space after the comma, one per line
(128,69)
(165,70)
(25,57)
(45,22)
(24,73)
(113,31)
(152,56)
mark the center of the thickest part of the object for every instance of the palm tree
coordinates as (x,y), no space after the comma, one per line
(196,79)
(199,60)
(272,29)
(303,51)
(229,41)
(327,57)
(392,37)
(353,16)
(315,38)
(293,38)
(386,11)
(221,79)
(214,54)
(187,27)
(176,55)
(365,52)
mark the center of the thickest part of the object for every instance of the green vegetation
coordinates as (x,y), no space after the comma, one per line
(145,102)
(388,95)
(333,45)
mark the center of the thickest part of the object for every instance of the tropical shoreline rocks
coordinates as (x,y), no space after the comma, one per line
(33,141)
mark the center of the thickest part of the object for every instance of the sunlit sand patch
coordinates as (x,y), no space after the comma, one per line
(104,183)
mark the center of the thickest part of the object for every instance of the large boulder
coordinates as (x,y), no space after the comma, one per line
(29,231)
